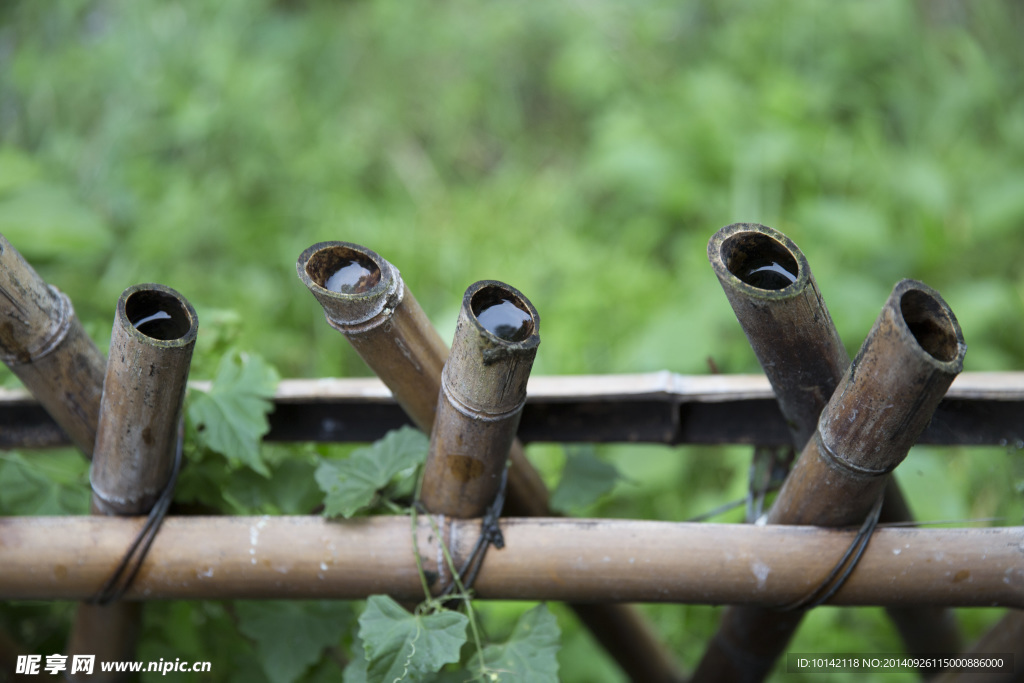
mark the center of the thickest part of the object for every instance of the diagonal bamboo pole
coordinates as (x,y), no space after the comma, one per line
(43,343)
(483,390)
(882,405)
(579,560)
(365,298)
(772,290)
(151,347)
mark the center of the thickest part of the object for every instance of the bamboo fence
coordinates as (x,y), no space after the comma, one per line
(592,564)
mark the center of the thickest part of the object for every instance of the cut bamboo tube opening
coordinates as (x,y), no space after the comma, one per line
(584,560)
(883,403)
(364,298)
(151,348)
(483,391)
(43,343)
(770,286)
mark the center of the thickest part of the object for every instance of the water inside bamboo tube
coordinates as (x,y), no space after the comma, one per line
(772,275)
(760,261)
(505,320)
(157,315)
(352,277)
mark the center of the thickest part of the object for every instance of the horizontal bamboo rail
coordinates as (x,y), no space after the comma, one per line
(581,560)
(981,408)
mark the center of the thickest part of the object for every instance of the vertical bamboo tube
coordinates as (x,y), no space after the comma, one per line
(43,343)
(483,390)
(883,403)
(772,290)
(151,348)
(364,298)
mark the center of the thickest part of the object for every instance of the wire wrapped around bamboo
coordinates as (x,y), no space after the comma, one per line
(590,560)
(483,391)
(43,343)
(885,400)
(365,298)
(151,348)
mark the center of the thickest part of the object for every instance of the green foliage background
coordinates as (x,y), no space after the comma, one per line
(581,151)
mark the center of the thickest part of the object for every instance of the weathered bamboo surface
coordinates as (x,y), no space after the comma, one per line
(581,560)
(981,408)
(483,390)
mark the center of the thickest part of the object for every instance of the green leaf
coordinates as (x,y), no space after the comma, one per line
(291,635)
(584,480)
(355,670)
(54,483)
(530,654)
(400,646)
(232,417)
(352,484)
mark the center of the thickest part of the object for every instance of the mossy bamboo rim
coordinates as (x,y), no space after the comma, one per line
(885,400)
(44,344)
(390,332)
(483,391)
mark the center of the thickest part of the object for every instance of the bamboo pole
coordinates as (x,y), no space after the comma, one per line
(483,391)
(585,560)
(882,405)
(43,343)
(364,298)
(151,348)
(772,290)
(770,287)
(980,409)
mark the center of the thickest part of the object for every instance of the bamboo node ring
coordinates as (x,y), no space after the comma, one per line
(835,460)
(53,337)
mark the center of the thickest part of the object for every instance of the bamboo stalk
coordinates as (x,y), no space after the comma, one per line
(770,287)
(369,303)
(586,560)
(43,343)
(483,390)
(882,405)
(796,342)
(151,348)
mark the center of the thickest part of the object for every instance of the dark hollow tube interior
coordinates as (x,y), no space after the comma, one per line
(929,324)
(343,270)
(759,261)
(158,315)
(501,313)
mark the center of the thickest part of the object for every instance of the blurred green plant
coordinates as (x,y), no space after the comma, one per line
(583,152)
